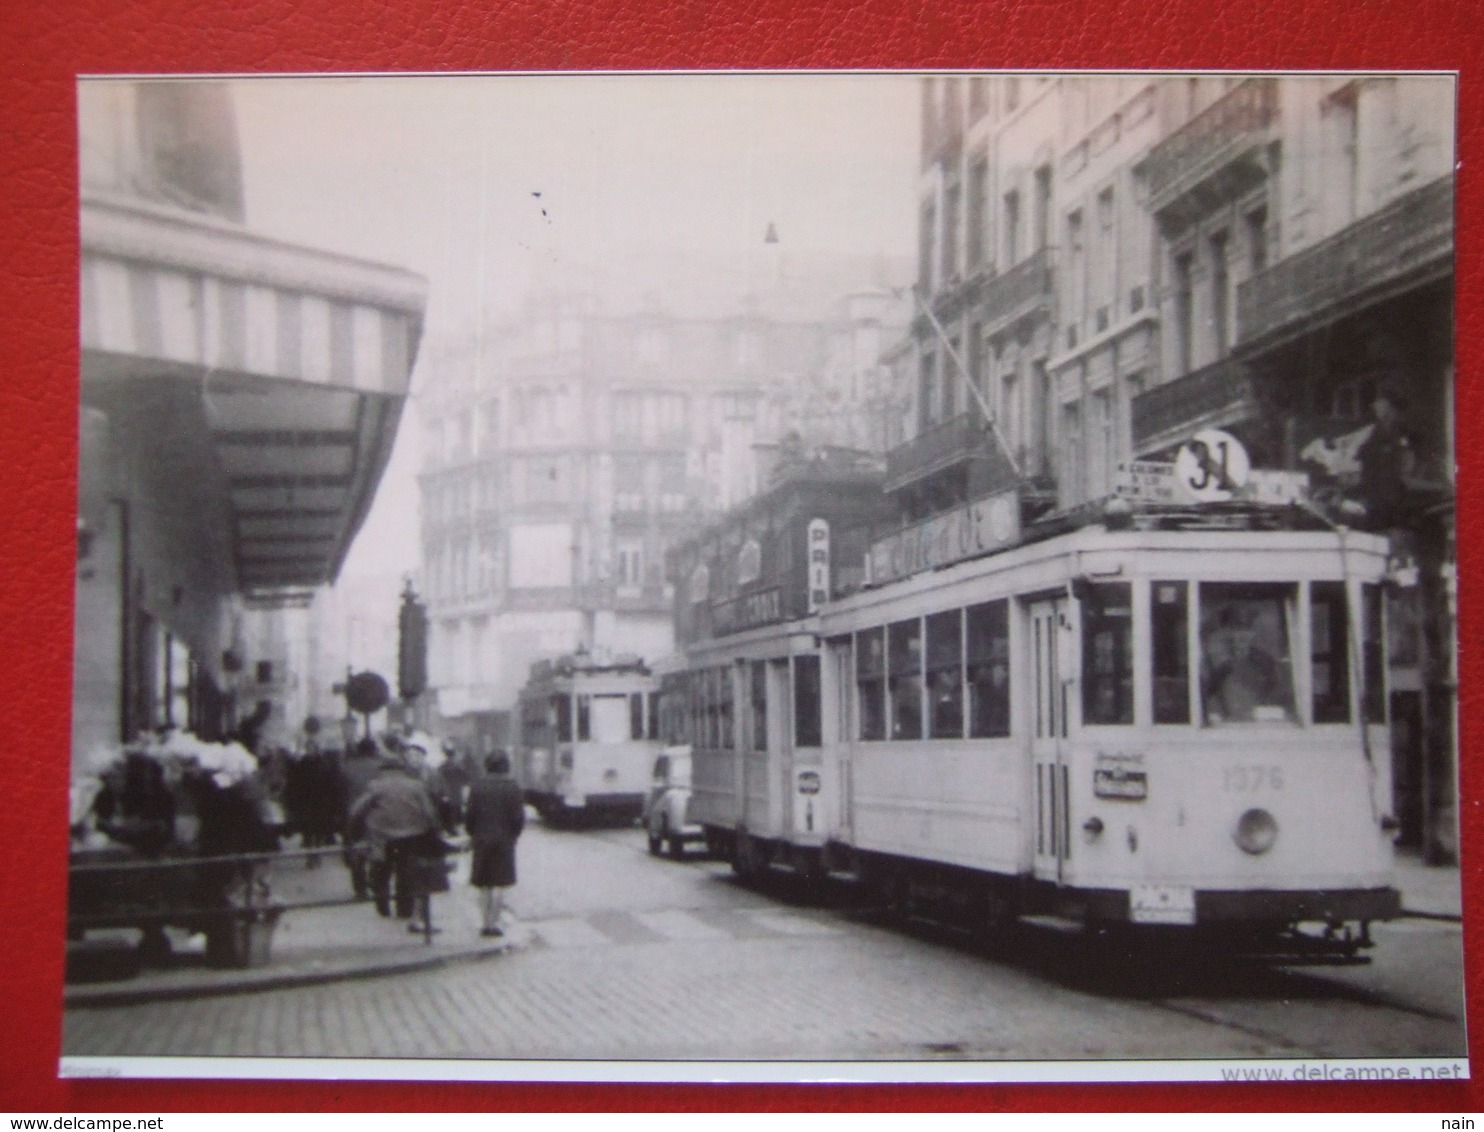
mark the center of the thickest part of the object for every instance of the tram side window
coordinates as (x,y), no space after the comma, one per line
(671,714)
(988,652)
(758,683)
(636,715)
(724,713)
(1169,614)
(698,709)
(1329,652)
(870,682)
(584,717)
(1375,655)
(904,683)
(713,708)
(945,675)
(807,732)
(1246,670)
(653,731)
(1107,653)
(561,708)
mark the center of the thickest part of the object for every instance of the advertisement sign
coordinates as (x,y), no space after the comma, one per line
(739,613)
(987,524)
(819,563)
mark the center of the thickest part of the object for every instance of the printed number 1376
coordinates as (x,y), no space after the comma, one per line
(1249,779)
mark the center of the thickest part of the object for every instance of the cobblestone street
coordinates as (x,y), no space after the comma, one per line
(618,955)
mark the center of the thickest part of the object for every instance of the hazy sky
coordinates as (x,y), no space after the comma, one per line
(441,175)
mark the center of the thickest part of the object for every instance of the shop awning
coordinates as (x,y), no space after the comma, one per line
(268,377)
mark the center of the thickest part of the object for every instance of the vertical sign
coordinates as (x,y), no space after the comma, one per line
(819,564)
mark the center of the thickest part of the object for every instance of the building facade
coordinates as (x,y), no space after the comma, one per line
(568,450)
(1109,263)
(239,397)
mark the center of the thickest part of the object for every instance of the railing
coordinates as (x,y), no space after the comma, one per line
(941,446)
(1218,394)
(1410,236)
(1225,129)
(1012,295)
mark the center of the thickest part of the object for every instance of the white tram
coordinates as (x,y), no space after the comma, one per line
(749,706)
(1112,728)
(589,733)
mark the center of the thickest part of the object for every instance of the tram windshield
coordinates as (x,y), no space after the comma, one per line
(1246,663)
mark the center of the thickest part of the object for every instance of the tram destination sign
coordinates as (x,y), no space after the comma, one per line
(987,524)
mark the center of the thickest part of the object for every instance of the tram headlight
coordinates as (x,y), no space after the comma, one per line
(1256,832)
(1092,829)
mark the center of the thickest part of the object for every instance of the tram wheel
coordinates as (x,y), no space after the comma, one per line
(746,860)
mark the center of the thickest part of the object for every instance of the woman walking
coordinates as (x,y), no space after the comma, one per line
(494,818)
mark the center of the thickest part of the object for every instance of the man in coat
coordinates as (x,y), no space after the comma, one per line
(494,818)
(395,816)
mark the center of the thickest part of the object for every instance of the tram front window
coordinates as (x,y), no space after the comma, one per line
(610,718)
(1246,667)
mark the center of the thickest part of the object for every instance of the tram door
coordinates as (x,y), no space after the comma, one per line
(1050,662)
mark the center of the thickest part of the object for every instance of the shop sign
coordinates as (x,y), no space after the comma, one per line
(819,563)
(985,525)
(762,608)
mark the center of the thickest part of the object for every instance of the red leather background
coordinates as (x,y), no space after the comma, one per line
(49,42)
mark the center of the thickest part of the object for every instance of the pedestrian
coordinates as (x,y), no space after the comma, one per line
(426,758)
(395,818)
(494,819)
(357,772)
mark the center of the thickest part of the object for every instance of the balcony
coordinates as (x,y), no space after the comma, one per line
(1023,290)
(1407,243)
(1214,396)
(956,441)
(1216,155)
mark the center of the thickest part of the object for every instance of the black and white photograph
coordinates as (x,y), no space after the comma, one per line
(766,576)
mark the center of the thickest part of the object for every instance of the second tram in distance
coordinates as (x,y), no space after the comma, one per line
(588,736)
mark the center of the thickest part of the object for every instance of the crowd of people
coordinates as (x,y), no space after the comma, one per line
(393,806)
(394,803)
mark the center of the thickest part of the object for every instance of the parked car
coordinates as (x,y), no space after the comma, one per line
(666,820)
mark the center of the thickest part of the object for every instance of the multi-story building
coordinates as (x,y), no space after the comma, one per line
(567,450)
(1304,240)
(239,397)
(1109,263)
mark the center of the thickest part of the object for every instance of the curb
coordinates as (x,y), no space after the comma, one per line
(247,983)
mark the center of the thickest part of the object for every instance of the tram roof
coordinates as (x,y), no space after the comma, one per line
(572,665)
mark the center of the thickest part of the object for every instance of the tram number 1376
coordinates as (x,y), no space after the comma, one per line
(1248,779)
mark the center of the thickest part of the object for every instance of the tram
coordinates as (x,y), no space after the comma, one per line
(1174,720)
(589,733)
(744,692)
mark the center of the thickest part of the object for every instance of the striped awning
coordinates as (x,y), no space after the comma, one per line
(282,369)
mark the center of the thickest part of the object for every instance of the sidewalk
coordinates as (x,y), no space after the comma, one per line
(1434,891)
(311,945)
